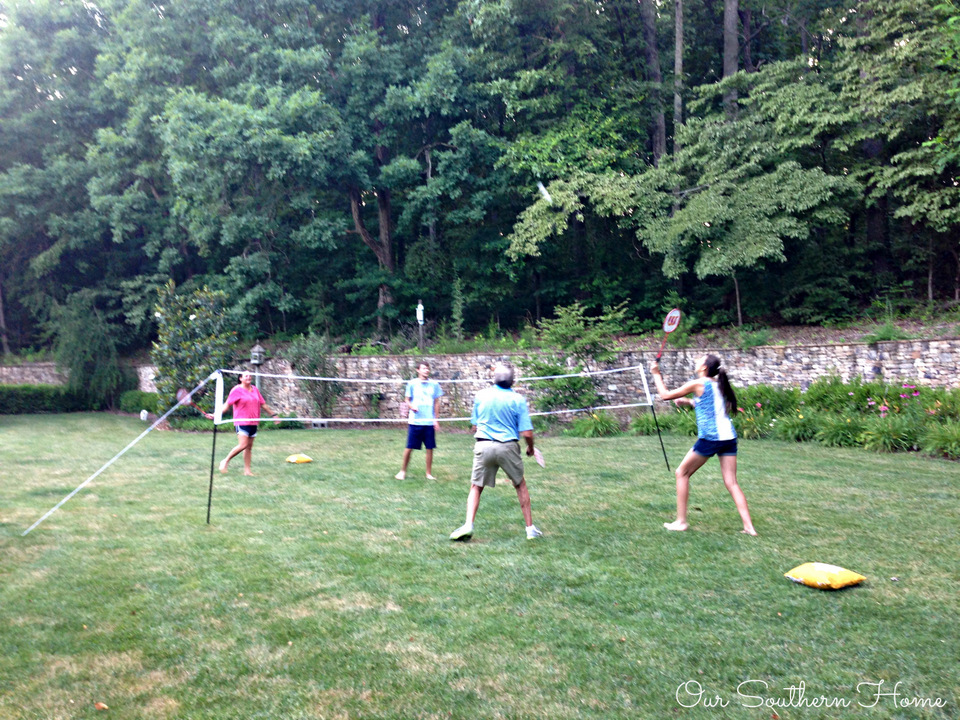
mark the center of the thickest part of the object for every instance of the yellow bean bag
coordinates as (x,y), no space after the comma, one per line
(823,576)
(299,458)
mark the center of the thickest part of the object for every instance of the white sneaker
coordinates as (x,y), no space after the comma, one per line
(400,475)
(464,532)
(533,532)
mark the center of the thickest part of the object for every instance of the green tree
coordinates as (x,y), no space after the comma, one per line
(86,350)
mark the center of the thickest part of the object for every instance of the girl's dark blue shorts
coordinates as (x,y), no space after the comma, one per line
(709,448)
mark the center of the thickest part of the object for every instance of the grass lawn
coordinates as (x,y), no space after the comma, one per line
(330,590)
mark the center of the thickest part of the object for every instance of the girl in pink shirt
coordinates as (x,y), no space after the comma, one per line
(246,401)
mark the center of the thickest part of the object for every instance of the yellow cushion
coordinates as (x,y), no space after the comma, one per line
(299,458)
(821,575)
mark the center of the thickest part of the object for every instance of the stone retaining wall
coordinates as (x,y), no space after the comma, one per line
(934,363)
(40,373)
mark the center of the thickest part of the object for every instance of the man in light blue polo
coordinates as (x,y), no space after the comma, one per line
(501,418)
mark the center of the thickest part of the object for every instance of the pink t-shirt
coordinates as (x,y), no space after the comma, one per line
(246,404)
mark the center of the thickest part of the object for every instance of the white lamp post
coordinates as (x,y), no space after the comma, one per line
(420,321)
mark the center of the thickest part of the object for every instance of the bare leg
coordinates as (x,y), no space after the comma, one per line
(728,468)
(242,442)
(523,495)
(403,467)
(688,466)
(473,502)
(429,461)
(247,456)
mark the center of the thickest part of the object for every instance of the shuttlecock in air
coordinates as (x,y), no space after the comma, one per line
(543,191)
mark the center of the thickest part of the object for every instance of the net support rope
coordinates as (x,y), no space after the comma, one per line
(184,400)
(219,401)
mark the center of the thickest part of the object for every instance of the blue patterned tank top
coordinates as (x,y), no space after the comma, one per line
(713,423)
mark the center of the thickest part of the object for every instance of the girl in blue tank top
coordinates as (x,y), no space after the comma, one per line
(714,401)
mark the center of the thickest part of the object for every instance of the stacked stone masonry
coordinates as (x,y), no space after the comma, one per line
(928,362)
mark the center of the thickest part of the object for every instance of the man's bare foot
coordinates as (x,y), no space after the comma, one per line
(676,526)
(401,475)
(749,531)
(223,466)
(430,477)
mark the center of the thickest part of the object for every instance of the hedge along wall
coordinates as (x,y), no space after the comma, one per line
(934,363)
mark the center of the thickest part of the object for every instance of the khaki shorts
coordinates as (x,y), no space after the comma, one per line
(490,456)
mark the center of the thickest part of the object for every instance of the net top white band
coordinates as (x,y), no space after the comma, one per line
(383,381)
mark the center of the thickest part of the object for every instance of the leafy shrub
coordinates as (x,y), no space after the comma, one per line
(943,440)
(684,422)
(25,399)
(893,433)
(595,424)
(133,401)
(796,427)
(585,338)
(312,355)
(571,393)
(774,401)
(644,423)
(840,430)
(886,333)
(834,395)
(747,339)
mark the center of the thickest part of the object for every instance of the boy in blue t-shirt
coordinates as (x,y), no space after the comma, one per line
(423,396)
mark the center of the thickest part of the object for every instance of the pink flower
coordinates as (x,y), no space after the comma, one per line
(883,408)
(916,393)
(759,405)
(902,395)
(740,409)
(871,403)
(849,393)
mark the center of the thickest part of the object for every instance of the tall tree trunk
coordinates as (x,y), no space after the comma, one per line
(956,277)
(3,322)
(930,270)
(746,19)
(659,129)
(381,245)
(736,291)
(677,71)
(731,51)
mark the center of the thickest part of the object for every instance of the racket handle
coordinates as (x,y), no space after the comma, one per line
(662,346)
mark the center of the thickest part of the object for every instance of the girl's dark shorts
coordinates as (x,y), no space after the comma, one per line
(247,430)
(709,448)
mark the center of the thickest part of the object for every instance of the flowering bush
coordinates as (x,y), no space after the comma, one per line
(595,424)
(877,416)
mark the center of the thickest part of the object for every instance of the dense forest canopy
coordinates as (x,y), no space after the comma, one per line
(326,164)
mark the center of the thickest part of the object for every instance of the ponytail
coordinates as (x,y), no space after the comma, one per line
(712,363)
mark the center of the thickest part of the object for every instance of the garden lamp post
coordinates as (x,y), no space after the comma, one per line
(420,321)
